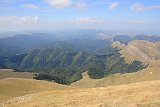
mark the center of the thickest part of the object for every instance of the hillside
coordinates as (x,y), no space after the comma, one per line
(64,61)
(144,51)
(138,89)
(145,94)
(64,65)
(148,74)
(12,87)
(152,72)
(9,73)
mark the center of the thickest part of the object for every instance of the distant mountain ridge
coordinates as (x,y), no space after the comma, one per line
(88,39)
(144,51)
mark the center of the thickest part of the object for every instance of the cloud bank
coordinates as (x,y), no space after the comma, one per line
(139,7)
(29,6)
(81,6)
(59,3)
(86,21)
(18,20)
(113,6)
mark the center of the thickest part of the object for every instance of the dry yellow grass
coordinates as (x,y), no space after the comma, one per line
(148,74)
(8,73)
(141,50)
(89,92)
(10,88)
(139,89)
(145,94)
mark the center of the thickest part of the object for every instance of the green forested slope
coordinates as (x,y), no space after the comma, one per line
(64,63)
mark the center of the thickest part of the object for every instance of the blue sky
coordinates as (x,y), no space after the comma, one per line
(129,15)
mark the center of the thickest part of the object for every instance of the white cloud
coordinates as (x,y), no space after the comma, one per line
(137,22)
(113,6)
(139,7)
(18,20)
(86,21)
(81,6)
(29,6)
(59,3)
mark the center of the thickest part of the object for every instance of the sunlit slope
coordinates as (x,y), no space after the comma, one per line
(141,50)
(10,87)
(145,94)
(148,74)
(155,64)
(8,73)
(129,90)
(152,72)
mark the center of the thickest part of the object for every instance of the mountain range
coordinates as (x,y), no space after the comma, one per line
(63,56)
(92,69)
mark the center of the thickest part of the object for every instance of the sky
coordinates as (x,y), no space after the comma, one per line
(129,15)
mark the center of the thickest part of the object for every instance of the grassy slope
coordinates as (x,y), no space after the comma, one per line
(145,94)
(8,73)
(148,74)
(144,51)
(47,94)
(10,88)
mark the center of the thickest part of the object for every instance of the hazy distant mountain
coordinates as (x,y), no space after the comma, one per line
(92,41)
(21,43)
